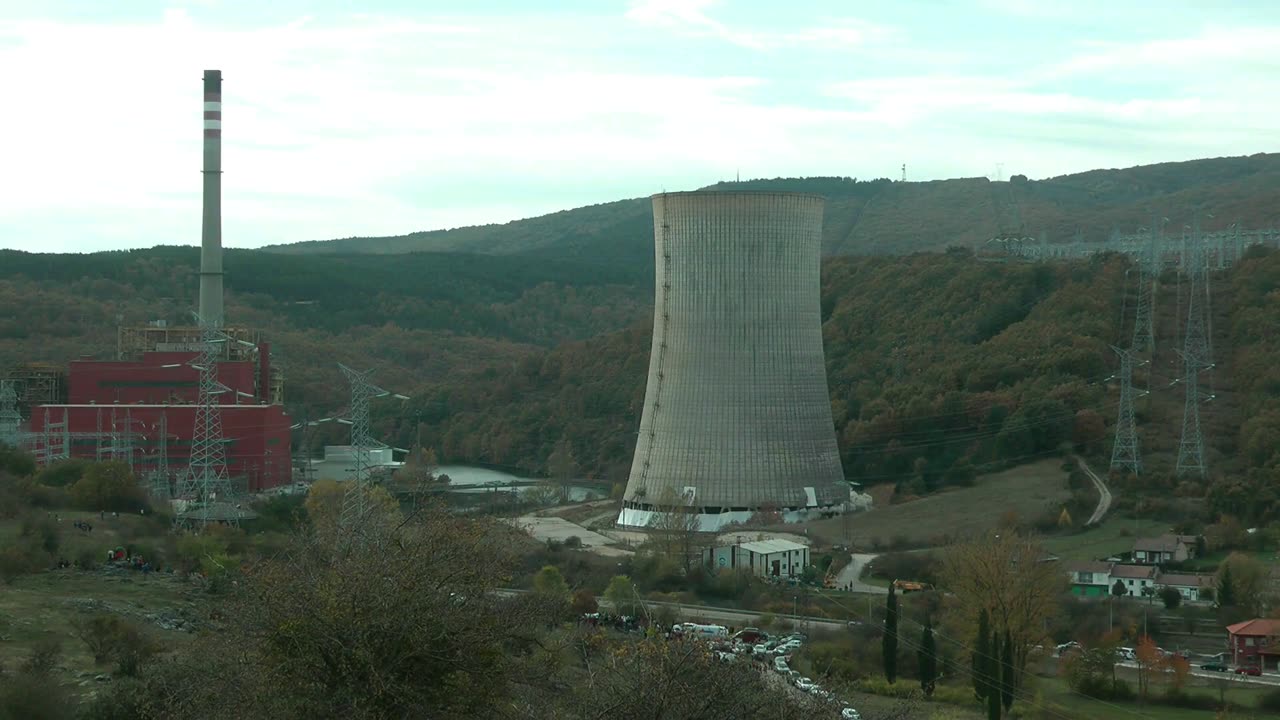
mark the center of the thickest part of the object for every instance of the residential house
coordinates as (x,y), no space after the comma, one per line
(766,558)
(1089,578)
(1193,587)
(1136,578)
(1164,549)
(1255,642)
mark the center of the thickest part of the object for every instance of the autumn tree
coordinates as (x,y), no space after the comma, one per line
(621,596)
(419,469)
(1149,660)
(551,583)
(108,485)
(1006,575)
(325,500)
(1246,580)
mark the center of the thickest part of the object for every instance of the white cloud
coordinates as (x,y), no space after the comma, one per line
(691,17)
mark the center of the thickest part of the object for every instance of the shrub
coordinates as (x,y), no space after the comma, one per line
(573,542)
(1270,700)
(44,657)
(42,531)
(110,637)
(20,559)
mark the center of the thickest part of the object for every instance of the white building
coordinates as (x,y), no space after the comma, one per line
(339,463)
(766,558)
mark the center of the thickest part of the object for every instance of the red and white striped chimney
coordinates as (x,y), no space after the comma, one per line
(211,225)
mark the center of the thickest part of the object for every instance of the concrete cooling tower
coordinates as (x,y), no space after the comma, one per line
(736,415)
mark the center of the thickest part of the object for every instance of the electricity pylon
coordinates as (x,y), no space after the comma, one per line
(1196,356)
(10,420)
(1148,272)
(1125,452)
(356,503)
(205,486)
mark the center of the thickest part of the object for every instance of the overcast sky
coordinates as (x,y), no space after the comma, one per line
(425,114)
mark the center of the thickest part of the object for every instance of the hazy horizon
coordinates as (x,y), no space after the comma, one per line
(397,120)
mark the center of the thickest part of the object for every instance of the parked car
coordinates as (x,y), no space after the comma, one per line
(804,684)
(1252,670)
(1215,666)
(849,714)
(780,664)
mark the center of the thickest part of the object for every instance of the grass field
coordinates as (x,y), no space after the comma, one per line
(1062,703)
(1026,491)
(1114,535)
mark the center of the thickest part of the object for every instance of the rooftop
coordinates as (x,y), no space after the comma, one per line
(1264,627)
(766,547)
(1088,566)
(1187,580)
(1134,572)
(1164,543)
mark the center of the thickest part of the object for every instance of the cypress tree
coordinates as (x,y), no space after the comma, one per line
(889,641)
(1007,680)
(1226,587)
(928,657)
(981,652)
(993,697)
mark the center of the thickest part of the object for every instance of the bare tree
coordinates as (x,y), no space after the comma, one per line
(675,530)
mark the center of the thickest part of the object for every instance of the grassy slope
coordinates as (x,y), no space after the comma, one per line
(1025,491)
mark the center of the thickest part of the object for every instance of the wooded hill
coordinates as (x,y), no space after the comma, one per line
(887,217)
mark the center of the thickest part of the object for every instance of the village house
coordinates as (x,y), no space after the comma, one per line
(1193,587)
(1255,643)
(1089,578)
(1164,549)
(1136,578)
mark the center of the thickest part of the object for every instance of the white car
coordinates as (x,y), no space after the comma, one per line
(780,664)
(804,684)
(849,714)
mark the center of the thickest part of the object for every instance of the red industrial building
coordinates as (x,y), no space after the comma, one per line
(133,401)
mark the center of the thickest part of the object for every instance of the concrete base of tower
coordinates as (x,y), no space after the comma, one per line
(643,517)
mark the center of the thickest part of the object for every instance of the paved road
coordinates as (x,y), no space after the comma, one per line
(1268,679)
(727,616)
(852,573)
(1104,493)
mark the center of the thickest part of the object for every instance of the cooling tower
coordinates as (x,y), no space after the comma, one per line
(211,222)
(736,415)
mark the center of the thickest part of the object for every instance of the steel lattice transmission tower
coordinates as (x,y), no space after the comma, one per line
(205,486)
(1149,271)
(356,503)
(10,419)
(160,490)
(1196,356)
(1125,452)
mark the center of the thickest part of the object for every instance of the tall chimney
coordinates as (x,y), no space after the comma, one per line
(211,227)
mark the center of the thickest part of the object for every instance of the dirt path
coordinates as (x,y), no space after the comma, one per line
(852,573)
(1104,493)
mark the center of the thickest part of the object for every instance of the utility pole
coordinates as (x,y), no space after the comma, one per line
(1125,453)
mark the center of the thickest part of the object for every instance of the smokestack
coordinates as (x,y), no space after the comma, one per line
(211,227)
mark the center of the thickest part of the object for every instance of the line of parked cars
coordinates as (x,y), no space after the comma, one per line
(783,649)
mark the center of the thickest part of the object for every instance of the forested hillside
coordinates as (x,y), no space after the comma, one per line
(887,217)
(417,317)
(938,365)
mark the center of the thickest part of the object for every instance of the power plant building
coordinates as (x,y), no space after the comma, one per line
(737,416)
(143,407)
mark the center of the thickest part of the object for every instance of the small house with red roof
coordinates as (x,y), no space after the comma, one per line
(1255,642)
